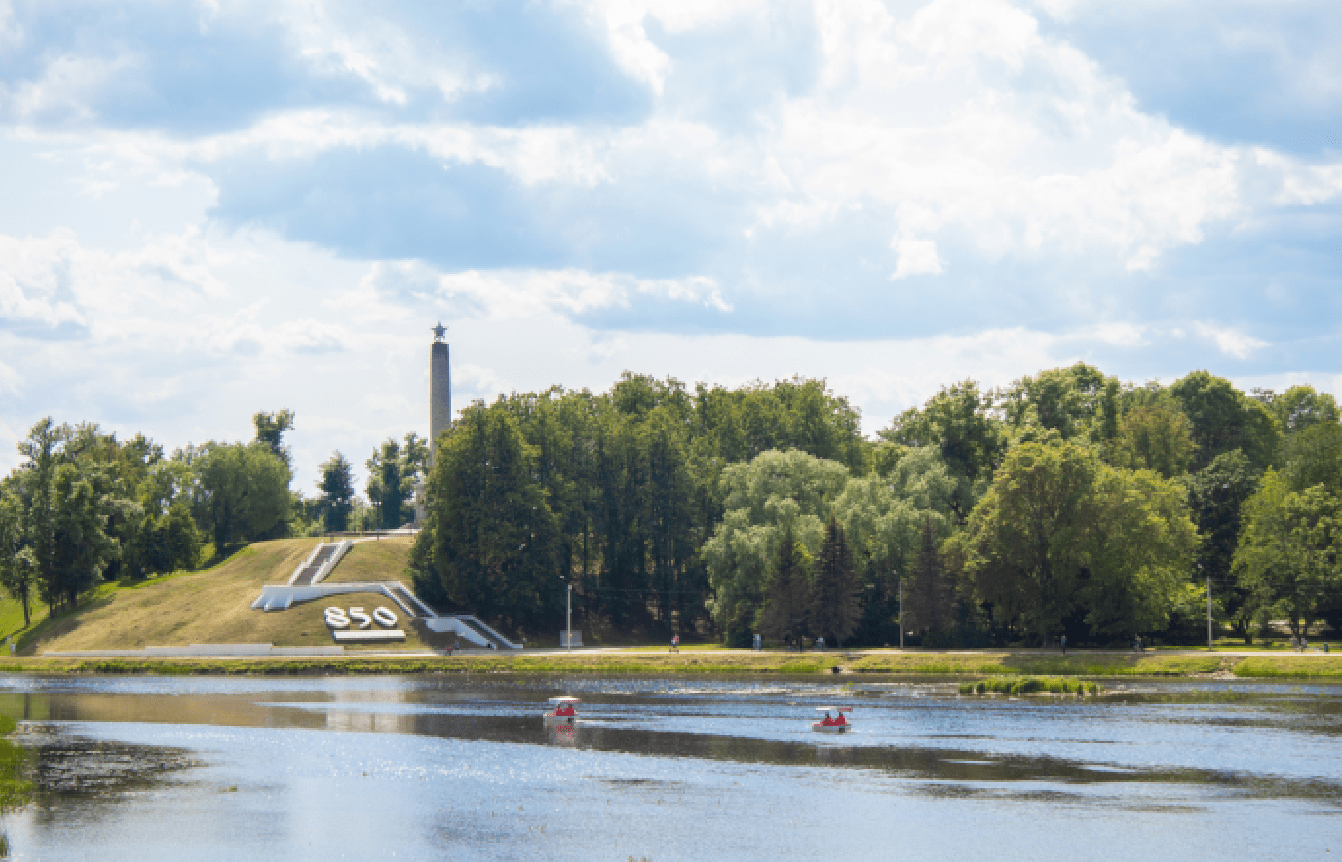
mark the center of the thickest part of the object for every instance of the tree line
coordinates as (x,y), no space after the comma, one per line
(1066,503)
(84,507)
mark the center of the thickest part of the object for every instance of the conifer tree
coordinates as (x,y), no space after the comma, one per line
(834,610)
(786,597)
(490,542)
(927,594)
(337,487)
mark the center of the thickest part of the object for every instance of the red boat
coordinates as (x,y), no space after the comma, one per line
(564,712)
(838,723)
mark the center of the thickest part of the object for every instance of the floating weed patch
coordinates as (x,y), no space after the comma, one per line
(1030,685)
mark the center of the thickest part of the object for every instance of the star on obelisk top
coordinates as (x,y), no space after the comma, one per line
(439,331)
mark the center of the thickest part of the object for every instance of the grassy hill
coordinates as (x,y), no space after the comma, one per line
(380,560)
(214,606)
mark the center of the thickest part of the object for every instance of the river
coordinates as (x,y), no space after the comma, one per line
(428,767)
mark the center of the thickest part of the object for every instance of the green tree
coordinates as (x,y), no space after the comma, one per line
(667,514)
(387,490)
(1301,407)
(1108,415)
(1062,400)
(270,430)
(775,493)
(1140,553)
(1223,418)
(1060,530)
(928,593)
(18,567)
(82,547)
(393,471)
(177,538)
(882,519)
(1288,553)
(414,458)
(787,595)
(489,544)
(337,487)
(1313,456)
(834,611)
(1216,495)
(43,450)
(1155,437)
(959,421)
(242,491)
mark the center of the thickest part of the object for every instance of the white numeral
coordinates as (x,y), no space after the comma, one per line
(336,618)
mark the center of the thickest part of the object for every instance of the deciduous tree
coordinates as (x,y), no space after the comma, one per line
(1223,419)
(1216,497)
(1289,551)
(242,491)
(1058,528)
(1155,437)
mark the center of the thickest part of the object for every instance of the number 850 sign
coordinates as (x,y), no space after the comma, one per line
(336,618)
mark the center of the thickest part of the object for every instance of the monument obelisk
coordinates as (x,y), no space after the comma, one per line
(440,391)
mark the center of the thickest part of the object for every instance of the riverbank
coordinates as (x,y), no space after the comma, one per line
(715,662)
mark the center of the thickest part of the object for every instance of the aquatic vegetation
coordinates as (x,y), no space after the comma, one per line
(1030,685)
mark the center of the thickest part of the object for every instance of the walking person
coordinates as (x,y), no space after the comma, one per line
(1062,641)
(675,643)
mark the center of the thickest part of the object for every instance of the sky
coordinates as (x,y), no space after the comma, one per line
(208,209)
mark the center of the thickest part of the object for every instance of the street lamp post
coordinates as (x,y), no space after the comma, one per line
(1209,609)
(901,608)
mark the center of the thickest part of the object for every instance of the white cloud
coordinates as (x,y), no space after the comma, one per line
(1229,341)
(10,381)
(930,138)
(1117,334)
(916,257)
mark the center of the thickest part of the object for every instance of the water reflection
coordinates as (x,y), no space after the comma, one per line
(666,768)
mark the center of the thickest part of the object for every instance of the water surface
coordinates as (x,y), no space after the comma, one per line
(423,767)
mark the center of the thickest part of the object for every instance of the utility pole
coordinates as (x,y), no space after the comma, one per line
(901,608)
(569,618)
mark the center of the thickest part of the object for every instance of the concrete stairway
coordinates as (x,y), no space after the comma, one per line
(319,563)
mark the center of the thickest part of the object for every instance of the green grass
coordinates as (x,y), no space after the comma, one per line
(998,667)
(1020,685)
(1026,664)
(209,606)
(382,560)
(1290,666)
(11,617)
